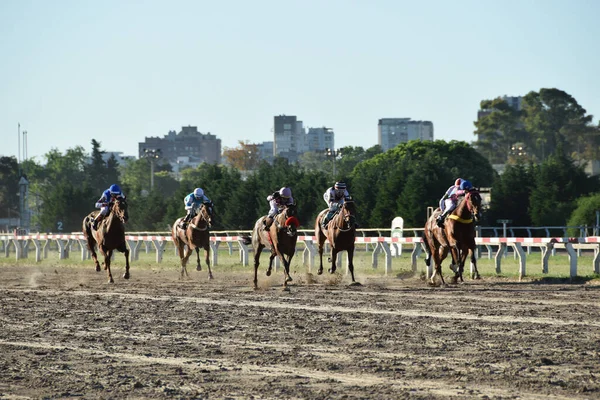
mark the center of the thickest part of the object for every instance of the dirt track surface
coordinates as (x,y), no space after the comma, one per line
(65,333)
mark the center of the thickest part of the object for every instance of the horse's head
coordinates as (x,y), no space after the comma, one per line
(119,209)
(202,218)
(473,199)
(348,212)
(289,219)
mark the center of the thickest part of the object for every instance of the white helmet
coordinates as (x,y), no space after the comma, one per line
(285,192)
(198,193)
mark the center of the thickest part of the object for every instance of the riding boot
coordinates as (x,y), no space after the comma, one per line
(97,221)
(184,222)
(268,222)
(440,219)
(326,220)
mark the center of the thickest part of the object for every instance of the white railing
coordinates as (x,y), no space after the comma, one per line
(377,245)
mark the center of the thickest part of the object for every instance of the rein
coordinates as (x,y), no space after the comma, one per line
(203,214)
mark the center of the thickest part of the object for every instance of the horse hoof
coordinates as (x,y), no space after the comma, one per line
(289,279)
(320,271)
(355,284)
(198,268)
(285,289)
(331,270)
(126,275)
(98,268)
(111,280)
(210,277)
(269,273)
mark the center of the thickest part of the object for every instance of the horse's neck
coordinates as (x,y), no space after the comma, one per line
(462,209)
(112,221)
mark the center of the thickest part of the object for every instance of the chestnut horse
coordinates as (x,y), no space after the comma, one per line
(196,235)
(109,236)
(280,238)
(340,233)
(457,236)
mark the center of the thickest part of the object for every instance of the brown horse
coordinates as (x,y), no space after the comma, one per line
(457,236)
(280,238)
(340,233)
(196,235)
(109,236)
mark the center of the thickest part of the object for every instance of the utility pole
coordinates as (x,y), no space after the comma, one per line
(333,154)
(152,155)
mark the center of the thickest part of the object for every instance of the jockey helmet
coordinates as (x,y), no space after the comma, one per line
(285,192)
(198,193)
(457,182)
(339,186)
(114,189)
(466,185)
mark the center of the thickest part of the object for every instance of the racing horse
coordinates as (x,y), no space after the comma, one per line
(109,236)
(195,236)
(281,238)
(340,232)
(457,237)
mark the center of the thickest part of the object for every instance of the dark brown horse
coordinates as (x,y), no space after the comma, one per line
(280,238)
(109,236)
(457,236)
(340,233)
(195,236)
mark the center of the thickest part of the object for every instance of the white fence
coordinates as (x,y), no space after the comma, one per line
(24,244)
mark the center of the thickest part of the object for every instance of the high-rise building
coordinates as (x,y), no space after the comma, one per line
(393,131)
(291,139)
(320,139)
(199,147)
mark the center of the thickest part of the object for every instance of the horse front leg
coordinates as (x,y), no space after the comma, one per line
(107,257)
(286,265)
(125,250)
(198,266)
(474,271)
(333,260)
(351,264)
(207,260)
(184,261)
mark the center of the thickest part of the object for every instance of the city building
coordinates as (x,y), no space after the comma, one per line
(393,131)
(291,139)
(199,147)
(320,139)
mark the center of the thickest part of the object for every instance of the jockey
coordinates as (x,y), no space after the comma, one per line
(334,197)
(192,202)
(449,200)
(277,201)
(108,196)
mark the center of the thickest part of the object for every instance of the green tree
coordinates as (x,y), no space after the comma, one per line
(498,130)
(558,185)
(9,187)
(584,213)
(554,118)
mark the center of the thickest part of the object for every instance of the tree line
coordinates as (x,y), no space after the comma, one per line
(403,181)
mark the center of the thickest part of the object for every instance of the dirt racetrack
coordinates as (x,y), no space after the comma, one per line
(65,333)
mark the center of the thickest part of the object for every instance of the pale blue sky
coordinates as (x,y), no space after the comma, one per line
(119,71)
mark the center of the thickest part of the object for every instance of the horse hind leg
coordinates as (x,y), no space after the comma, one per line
(271,258)
(333,260)
(257,252)
(184,261)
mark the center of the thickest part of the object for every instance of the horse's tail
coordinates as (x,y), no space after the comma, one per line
(246,239)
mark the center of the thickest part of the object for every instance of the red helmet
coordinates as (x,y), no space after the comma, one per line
(457,182)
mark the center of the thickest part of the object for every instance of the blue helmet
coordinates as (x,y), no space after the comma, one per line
(466,185)
(114,189)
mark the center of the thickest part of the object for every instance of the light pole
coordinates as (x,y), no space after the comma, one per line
(333,154)
(152,155)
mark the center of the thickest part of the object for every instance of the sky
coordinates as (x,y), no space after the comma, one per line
(119,71)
